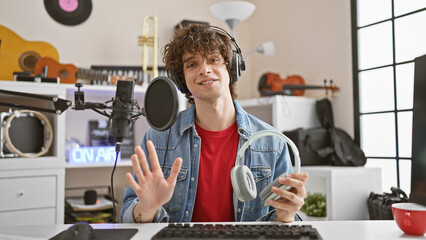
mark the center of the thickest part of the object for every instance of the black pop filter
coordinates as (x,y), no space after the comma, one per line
(161,103)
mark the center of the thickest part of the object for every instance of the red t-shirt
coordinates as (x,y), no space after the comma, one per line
(214,201)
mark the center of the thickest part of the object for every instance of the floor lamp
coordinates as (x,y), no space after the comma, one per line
(233,12)
(266,48)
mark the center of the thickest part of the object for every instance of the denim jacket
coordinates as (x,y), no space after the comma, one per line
(267,158)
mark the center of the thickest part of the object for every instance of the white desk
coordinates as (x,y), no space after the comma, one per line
(329,230)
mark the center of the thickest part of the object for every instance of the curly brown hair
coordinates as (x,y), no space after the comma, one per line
(197,38)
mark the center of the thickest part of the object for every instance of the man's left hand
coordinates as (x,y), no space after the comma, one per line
(292,200)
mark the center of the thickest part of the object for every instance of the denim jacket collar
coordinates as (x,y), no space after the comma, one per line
(244,129)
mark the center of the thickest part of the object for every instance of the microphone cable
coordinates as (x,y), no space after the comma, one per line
(117,150)
(167,148)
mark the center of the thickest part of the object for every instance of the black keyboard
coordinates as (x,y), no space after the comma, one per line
(239,231)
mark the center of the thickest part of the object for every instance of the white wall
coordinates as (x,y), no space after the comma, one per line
(312,38)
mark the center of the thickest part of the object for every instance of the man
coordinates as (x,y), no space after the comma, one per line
(198,152)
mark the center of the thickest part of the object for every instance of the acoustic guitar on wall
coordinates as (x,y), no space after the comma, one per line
(19,55)
(68,73)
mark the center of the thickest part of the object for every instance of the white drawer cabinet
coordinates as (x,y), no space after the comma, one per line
(27,192)
(40,216)
(32,197)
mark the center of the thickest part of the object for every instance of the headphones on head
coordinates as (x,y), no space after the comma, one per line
(237,65)
(242,179)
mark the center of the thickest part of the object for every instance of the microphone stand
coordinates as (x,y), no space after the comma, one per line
(80,104)
(60,105)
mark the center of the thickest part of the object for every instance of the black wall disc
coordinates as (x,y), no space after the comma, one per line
(69,12)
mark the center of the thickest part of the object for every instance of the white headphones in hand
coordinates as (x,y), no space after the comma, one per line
(242,179)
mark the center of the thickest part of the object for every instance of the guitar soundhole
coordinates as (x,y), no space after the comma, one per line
(63,74)
(28,60)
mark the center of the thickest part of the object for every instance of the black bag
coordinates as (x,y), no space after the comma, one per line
(327,145)
(380,205)
(310,142)
(345,152)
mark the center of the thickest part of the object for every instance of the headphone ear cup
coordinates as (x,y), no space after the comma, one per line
(235,67)
(243,183)
(180,83)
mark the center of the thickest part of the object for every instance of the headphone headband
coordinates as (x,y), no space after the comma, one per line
(237,64)
(264,133)
(237,48)
(242,179)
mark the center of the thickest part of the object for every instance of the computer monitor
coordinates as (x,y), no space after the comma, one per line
(418,165)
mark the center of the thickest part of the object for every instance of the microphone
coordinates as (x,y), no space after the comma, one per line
(161,106)
(122,110)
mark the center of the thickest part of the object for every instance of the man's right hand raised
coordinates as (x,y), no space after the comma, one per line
(152,189)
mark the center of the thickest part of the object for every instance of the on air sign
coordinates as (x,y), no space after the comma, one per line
(93,155)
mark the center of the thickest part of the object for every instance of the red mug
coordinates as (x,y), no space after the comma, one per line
(410,217)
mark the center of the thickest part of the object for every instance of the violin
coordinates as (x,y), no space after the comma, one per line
(294,85)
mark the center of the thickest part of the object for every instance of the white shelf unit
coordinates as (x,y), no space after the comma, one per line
(77,125)
(87,176)
(283,112)
(346,188)
(94,175)
(32,189)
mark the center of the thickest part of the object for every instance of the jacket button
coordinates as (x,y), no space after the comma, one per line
(186,213)
(239,210)
(195,145)
(192,179)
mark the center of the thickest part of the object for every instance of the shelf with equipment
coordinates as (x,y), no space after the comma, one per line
(79,128)
(79,125)
(92,204)
(98,173)
(32,185)
(48,175)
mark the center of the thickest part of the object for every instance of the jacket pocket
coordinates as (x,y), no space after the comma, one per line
(175,203)
(261,177)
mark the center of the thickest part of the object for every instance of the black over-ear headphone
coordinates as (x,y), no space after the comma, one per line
(237,65)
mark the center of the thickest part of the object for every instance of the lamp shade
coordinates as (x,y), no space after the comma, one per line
(267,48)
(239,10)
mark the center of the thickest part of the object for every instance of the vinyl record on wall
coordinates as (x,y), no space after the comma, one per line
(69,12)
